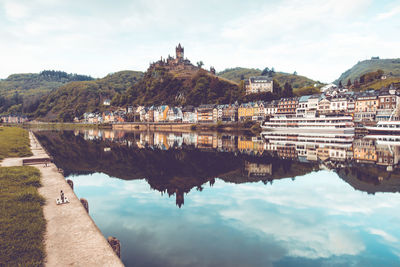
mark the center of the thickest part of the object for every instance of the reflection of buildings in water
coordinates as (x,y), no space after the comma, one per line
(174,140)
(97,134)
(337,154)
(205,141)
(310,146)
(190,139)
(227,143)
(323,153)
(251,145)
(364,150)
(383,150)
(287,151)
(160,141)
(258,170)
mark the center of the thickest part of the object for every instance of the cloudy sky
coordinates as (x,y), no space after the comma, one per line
(318,39)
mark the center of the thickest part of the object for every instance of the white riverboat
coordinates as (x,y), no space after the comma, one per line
(385,139)
(385,127)
(326,124)
(339,140)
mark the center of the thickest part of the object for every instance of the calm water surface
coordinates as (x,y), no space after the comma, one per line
(224,200)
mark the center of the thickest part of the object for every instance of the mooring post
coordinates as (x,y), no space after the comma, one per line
(115,244)
(85,204)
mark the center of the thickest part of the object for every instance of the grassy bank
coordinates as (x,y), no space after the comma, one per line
(14,142)
(22,224)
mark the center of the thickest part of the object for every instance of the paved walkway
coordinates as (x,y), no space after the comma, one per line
(72,238)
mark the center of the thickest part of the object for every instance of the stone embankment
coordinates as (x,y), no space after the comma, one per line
(72,238)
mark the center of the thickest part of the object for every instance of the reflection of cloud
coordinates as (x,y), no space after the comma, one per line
(303,235)
(383,234)
(316,217)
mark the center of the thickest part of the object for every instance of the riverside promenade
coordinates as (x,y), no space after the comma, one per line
(72,238)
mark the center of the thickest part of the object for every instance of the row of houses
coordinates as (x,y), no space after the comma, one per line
(13,119)
(363,106)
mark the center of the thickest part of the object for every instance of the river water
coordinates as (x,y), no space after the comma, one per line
(218,199)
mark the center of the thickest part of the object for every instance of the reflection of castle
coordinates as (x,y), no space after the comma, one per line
(179,198)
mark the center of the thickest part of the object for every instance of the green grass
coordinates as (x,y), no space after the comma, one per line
(14,142)
(22,224)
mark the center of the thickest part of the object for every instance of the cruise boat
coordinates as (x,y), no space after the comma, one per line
(385,127)
(385,139)
(333,124)
(339,140)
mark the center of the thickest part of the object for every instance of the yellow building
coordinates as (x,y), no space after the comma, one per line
(366,106)
(247,111)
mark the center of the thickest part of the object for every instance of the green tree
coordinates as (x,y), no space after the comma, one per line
(265,72)
(276,88)
(287,90)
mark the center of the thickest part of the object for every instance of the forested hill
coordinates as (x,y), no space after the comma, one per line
(34,83)
(298,82)
(76,98)
(161,86)
(20,93)
(390,67)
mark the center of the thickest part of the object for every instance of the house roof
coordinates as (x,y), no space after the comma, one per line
(260,79)
(304,98)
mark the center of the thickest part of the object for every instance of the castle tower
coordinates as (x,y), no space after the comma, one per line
(179,51)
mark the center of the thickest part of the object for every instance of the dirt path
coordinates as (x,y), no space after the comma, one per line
(72,238)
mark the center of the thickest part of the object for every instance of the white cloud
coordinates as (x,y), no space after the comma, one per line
(389,14)
(15,10)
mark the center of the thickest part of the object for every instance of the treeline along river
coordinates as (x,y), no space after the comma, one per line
(218,199)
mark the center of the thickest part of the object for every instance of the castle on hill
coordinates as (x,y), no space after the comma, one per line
(178,63)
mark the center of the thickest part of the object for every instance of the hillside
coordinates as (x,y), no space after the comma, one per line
(22,92)
(37,83)
(296,81)
(160,86)
(390,67)
(76,98)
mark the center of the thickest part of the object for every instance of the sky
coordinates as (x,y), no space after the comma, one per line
(318,39)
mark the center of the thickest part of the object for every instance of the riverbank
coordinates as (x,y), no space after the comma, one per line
(71,237)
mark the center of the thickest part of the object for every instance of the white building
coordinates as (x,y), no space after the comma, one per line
(259,84)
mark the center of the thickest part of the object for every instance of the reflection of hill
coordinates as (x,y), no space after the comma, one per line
(177,171)
(371,179)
